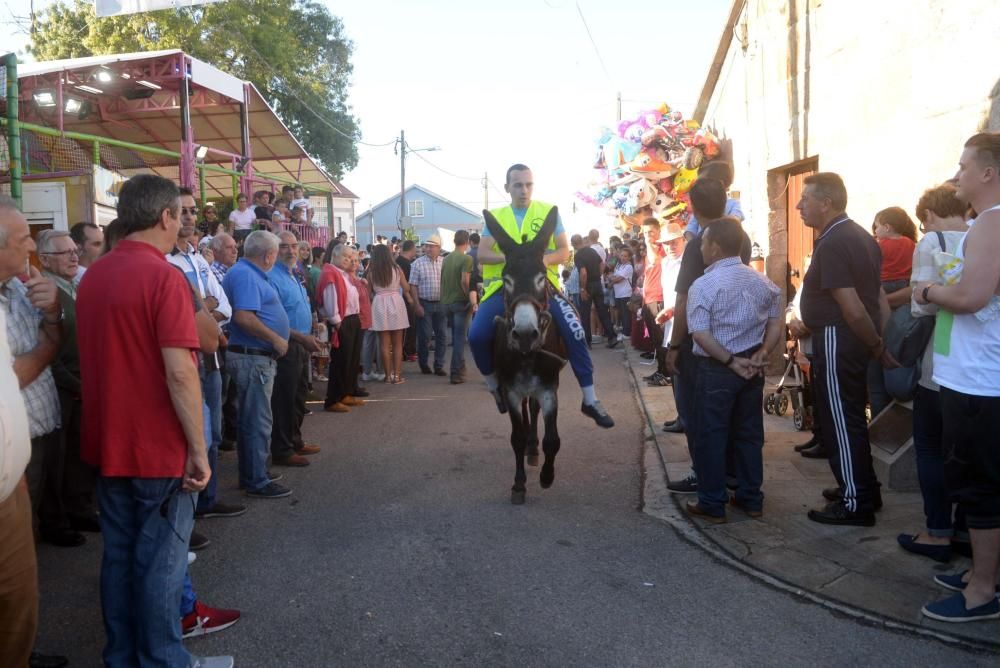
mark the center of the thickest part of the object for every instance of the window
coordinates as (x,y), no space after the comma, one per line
(415,208)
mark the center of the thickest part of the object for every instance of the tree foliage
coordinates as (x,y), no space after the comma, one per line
(294,51)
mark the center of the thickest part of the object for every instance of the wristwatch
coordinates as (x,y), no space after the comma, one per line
(674,347)
(925,292)
(62,316)
(730,360)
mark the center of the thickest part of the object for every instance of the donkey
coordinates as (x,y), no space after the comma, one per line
(528,354)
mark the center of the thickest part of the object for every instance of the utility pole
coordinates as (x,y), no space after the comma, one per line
(402,179)
(486,190)
(619,105)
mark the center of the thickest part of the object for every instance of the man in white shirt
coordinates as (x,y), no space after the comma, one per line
(18,568)
(594,235)
(201,277)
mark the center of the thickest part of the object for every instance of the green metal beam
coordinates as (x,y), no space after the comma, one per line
(13,128)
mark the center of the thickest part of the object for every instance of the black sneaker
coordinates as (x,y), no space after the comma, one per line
(651,376)
(613,342)
(274,477)
(198,542)
(837,513)
(598,414)
(440,372)
(426,370)
(222,510)
(647,356)
(658,380)
(272,490)
(688,485)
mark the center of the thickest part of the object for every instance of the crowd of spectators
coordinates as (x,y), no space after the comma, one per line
(230,326)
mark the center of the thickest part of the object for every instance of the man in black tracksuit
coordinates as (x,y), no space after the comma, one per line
(845,309)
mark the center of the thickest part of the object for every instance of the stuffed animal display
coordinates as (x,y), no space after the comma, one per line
(646,165)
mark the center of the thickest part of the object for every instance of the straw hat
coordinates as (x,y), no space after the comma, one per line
(433,240)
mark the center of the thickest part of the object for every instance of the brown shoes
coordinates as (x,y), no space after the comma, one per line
(352,401)
(291,460)
(755,514)
(694,508)
(307,450)
(337,408)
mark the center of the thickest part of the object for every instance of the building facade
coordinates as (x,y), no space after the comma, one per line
(427,213)
(884,93)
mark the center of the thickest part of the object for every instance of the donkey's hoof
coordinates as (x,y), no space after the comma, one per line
(532,458)
(517,496)
(547,476)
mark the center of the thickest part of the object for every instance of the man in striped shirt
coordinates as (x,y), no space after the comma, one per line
(734,317)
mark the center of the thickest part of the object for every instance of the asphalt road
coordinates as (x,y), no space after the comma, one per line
(400,547)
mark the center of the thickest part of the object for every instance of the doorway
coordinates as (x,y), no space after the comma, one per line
(791,241)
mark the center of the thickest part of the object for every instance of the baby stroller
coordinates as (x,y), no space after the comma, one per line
(792,388)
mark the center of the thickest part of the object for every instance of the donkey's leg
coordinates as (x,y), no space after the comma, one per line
(517,439)
(531,420)
(550,441)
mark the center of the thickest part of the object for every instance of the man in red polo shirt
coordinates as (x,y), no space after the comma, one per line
(652,297)
(142,425)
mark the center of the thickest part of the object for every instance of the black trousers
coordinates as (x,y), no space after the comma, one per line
(649,312)
(410,335)
(79,478)
(45,480)
(596,301)
(344,361)
(840,363)
(288,401)
(230,403)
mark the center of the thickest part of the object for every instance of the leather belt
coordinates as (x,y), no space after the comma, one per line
(260,352)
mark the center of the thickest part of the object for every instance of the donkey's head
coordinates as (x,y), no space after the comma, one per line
(525,286)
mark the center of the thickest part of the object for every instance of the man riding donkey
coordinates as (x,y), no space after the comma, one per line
(522,220)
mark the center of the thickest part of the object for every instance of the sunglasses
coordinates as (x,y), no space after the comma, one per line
(72,251)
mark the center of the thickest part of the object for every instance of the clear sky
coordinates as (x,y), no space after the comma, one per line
(494,83)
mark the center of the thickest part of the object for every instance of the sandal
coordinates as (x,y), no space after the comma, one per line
(389,379)
(399,380)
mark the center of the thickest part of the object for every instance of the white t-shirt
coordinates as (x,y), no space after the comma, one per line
(599,249)
(670,268)
(623,289)
(244,220)
(15,435)
(303,202)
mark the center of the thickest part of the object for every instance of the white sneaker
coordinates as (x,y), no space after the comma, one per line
(191,557)
(621,337)
(367,376)
(212,662)
(378,376)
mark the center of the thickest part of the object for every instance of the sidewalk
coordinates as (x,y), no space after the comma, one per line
(863,568)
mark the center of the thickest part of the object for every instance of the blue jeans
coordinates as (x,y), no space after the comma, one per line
(146,525)
(928,446)
(483,331)
(728,412)
(211,389)
(434,316)
(459,312)
(253,376)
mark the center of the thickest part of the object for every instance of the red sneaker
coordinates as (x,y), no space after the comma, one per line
(204,620)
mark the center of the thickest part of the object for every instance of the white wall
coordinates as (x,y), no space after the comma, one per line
(886,93)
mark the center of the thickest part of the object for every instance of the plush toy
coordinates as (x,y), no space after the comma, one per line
(684,179)
(693,157)
(707,142)
(650,168)
(661,203)
(654,135)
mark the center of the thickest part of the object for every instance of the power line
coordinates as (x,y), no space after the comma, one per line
(594,43)
(443,171)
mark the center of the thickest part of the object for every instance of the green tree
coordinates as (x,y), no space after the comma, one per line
(294,51)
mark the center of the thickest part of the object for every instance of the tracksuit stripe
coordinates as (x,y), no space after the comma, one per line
(839,422)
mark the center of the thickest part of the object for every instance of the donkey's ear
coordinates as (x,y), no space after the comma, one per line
(541,240)
(499,234)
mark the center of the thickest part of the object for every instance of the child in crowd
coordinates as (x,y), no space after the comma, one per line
(897,237)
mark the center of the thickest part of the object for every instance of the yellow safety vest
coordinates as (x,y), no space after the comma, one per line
(534,218)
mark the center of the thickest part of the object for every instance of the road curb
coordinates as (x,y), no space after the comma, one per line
(654,503)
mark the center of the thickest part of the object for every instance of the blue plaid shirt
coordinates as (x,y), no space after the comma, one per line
(733,302)
(40,396)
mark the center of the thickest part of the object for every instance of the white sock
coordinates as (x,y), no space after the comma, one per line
(491,382)
(589,396)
